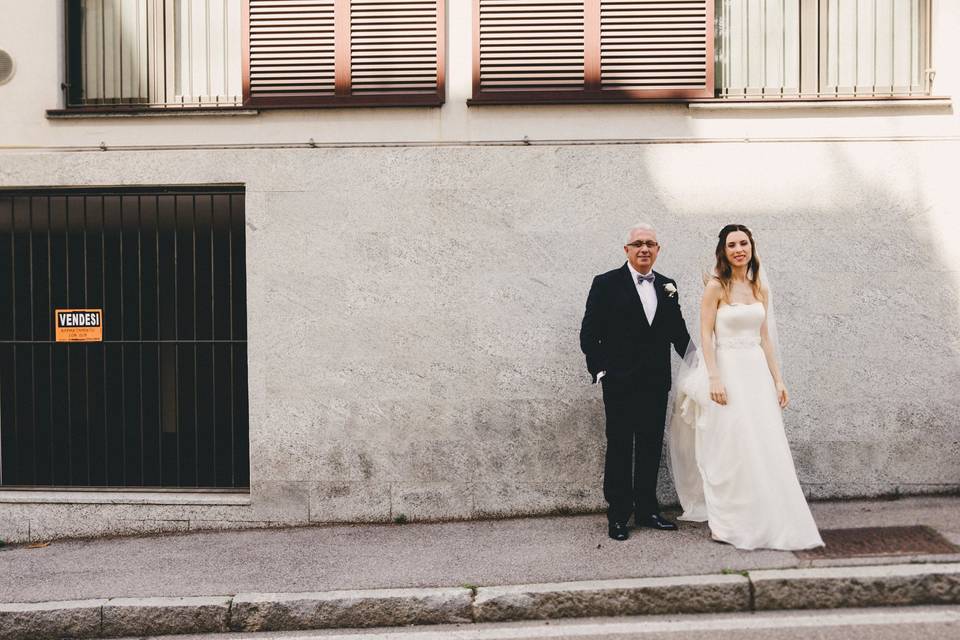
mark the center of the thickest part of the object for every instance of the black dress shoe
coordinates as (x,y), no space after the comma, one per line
(618,531)
(655,521)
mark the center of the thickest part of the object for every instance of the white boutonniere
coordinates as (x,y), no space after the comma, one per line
(670,289)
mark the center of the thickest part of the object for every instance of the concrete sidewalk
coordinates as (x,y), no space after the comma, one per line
(376,575)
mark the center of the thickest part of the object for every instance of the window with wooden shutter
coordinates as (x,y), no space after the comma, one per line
(592,50)
(343,52)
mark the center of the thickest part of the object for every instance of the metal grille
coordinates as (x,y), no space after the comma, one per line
(6,66)
(879,541)
(162,400)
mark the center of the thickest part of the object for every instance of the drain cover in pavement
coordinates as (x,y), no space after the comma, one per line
(879,541)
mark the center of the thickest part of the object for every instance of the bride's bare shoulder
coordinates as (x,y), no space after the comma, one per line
(712,290)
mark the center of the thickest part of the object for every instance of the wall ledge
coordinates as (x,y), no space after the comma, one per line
(124,497)
(206,112)
(782,105)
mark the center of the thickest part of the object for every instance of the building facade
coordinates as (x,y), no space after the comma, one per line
(268,263)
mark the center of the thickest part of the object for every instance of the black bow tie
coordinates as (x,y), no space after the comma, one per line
(645,278)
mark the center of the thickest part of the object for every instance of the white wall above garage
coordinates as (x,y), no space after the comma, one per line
(33,33)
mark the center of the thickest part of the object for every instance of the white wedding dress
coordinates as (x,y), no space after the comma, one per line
(732,465)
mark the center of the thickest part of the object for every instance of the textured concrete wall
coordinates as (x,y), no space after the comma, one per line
(413,317)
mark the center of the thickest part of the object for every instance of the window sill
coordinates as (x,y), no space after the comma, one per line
(609,96)
(727,104)
(113,496)
(134,112)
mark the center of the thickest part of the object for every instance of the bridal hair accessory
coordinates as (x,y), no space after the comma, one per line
(670,289)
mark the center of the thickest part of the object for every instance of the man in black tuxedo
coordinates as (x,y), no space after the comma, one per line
(632,317)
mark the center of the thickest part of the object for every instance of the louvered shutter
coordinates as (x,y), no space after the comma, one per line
(291,50)
(343,52)
(393,46)
(592,50)
(531,45)
(658,48)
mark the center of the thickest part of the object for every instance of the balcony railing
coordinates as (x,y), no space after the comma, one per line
(153,53)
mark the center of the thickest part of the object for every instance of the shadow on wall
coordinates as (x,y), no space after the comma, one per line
(455,375)
(867,299)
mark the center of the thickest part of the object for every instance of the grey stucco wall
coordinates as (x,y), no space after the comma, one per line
(413,316)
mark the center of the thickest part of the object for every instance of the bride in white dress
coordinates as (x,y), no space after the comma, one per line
(731,460)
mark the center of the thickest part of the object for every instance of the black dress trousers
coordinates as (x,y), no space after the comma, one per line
(635,424)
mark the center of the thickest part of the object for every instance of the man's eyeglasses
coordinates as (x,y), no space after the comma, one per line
(649,244)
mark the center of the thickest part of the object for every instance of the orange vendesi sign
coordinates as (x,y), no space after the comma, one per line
(78,325)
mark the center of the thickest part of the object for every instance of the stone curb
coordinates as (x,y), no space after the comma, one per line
(642,596)
(163,616)
(51,620)
(819,588)
(866,586)
(347,609)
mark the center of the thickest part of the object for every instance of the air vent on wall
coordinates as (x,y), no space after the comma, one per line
(6,66)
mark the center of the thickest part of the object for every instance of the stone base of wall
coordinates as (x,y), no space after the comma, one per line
(22,522)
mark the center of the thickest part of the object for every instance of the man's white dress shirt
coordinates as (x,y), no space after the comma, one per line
(648,295)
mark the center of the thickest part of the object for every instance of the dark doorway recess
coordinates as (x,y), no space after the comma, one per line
(162,400)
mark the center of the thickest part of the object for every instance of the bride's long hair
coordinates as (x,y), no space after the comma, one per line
(723,271)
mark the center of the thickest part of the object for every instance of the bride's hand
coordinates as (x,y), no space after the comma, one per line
(782,396)
(718,393)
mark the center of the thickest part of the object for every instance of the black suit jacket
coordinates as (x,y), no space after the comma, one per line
(616,337)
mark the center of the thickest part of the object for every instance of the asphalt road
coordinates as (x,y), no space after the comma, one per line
(913,623)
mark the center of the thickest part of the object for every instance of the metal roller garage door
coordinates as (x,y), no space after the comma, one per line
(161,401)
